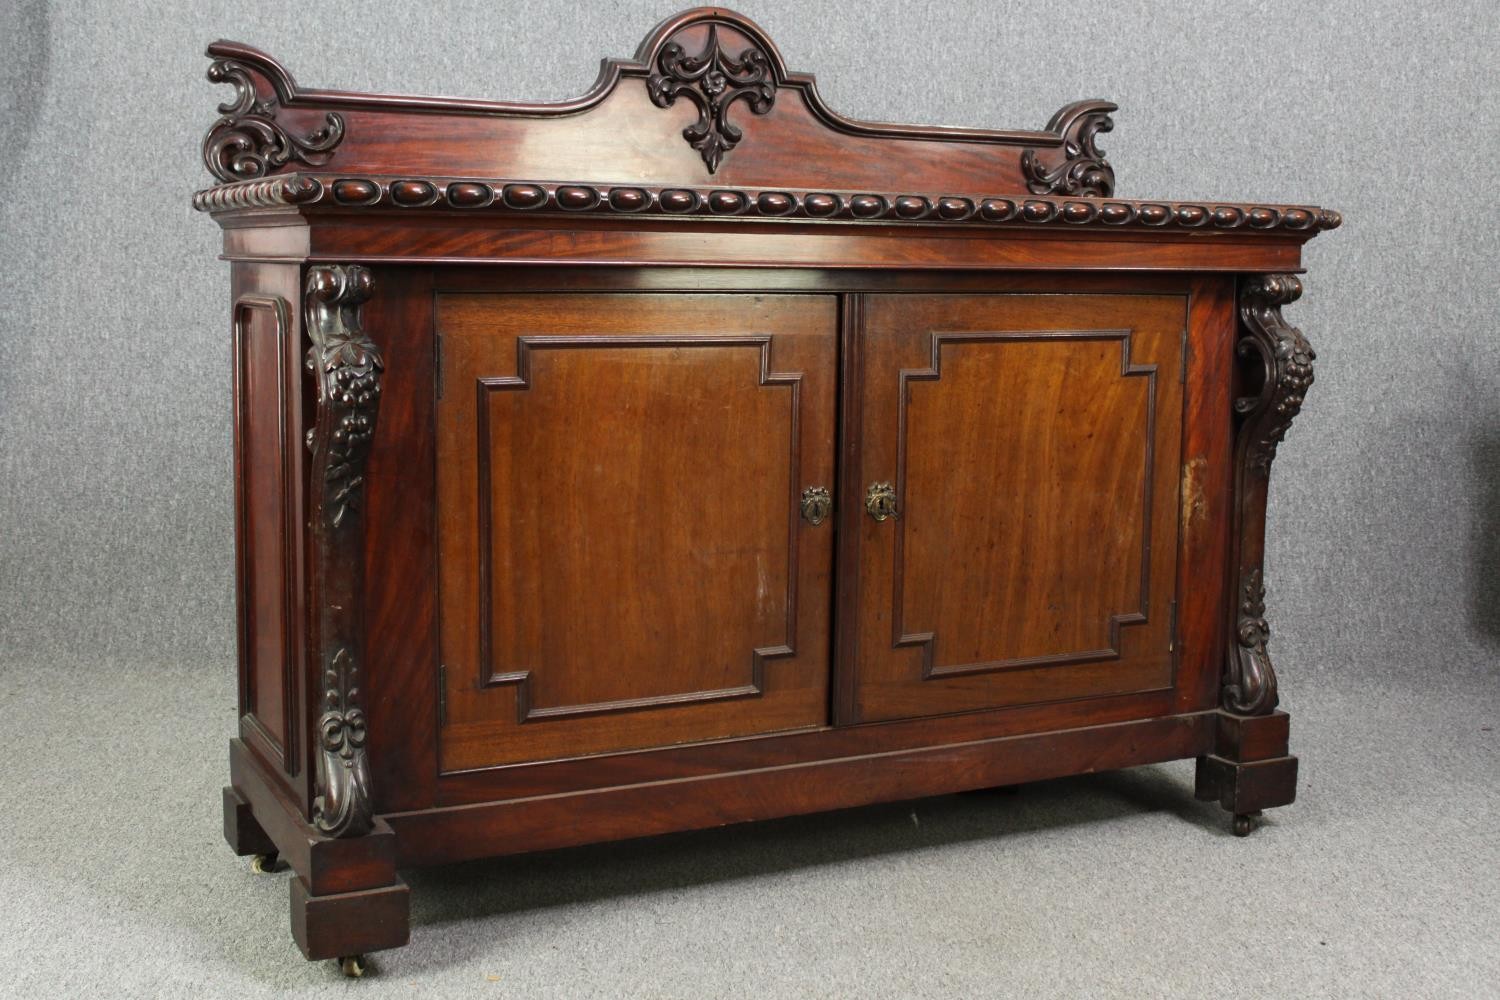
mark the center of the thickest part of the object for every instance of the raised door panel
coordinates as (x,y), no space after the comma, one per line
(1031,445)
(623,561)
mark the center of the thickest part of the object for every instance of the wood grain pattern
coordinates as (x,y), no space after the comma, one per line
(1034,445)
(431,239)
(804,281)
(1205,491)
(401,581)
(643,574)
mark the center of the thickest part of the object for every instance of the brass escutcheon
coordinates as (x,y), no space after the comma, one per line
(816,505)
(880,501)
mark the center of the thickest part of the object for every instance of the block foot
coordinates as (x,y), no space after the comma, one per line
(244,835)
(1250,769)
(346,925)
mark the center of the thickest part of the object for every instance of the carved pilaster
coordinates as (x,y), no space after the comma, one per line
(346,365)
(1277,367)
(248,142)
(1079,166)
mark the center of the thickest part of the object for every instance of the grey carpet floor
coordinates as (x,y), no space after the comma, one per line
(1383,880)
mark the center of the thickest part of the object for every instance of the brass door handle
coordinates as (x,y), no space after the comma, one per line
(817,504)
(880,501)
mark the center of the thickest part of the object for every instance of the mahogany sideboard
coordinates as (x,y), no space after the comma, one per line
(690,454)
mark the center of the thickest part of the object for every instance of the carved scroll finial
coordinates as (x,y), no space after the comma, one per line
(1079,167)
(347,366)
(247,141)
(713,82)
(1277,362)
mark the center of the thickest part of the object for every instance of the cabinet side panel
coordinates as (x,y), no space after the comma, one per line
(260,414)
(267,415)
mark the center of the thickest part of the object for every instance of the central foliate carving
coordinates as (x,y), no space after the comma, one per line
(712,81)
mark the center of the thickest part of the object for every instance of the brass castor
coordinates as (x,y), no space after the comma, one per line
(352,966)
(1244,823)
(264,864)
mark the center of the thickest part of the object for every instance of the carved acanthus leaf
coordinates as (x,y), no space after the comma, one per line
(1250,684)
(247,141)
(713,82)
(342,807)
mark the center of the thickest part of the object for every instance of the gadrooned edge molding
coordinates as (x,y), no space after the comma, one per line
(523,197)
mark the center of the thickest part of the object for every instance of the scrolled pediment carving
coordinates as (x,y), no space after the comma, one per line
(248,142)
(1078,167)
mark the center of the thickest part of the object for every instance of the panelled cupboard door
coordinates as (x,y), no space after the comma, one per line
(623,559)
(1031,445)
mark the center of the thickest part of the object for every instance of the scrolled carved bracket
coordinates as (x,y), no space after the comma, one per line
(713,82)
(247,141)
(1285,357)
(1277,361)
(346,365)
(1079,167)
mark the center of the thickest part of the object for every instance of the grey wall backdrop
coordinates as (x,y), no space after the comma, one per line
(115,532)
(115,535)
(1384,558)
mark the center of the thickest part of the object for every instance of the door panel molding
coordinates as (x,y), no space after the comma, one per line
(1033,440)
(933,373)
(623,561)
(489,677)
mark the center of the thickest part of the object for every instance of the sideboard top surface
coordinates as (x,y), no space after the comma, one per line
(705,128)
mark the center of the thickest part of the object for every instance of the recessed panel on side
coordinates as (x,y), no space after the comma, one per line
(1019,546)
(263,453)
(623,559)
